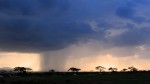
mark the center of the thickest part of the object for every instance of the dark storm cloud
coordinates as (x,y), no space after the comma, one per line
(29,7)
(51,27)
(41,25)
(128,11)
(136,35)
(125,12)
(19,35)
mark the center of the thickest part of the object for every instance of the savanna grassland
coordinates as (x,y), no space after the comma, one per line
(79,78)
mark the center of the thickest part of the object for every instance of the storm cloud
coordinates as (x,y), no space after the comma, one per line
(51,25)
(32,25)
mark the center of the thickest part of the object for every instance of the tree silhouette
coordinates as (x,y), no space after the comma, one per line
(74,69)
(112,69)
(132,69)
(124,70)
(100,68)
(22,69)
(52,70)
(28,69)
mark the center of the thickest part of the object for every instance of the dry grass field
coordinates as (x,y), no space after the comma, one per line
(80,78)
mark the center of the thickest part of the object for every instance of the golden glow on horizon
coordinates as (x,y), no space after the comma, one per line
(86,63)
(89,63)
(20,59)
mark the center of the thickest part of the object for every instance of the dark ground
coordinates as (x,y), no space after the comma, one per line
(80,78)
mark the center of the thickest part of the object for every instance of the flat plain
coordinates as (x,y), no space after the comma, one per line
(79,78)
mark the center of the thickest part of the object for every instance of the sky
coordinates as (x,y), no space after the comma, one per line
(59,34)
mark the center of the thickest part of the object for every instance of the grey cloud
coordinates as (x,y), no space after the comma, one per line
(133,37)
(105,25)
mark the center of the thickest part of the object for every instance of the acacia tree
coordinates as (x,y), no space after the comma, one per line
(74,69)
(100,68)
(132,69)
(112,69)
(22,69)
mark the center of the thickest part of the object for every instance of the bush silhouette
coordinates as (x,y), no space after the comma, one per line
(113,69)
(74,69)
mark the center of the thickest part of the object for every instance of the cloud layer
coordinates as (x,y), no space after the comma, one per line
(41,25)
(49,25)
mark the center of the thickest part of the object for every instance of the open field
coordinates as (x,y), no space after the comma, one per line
(80,78)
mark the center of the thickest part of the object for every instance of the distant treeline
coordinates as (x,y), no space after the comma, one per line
(25,71)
